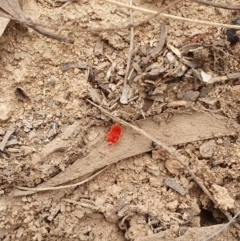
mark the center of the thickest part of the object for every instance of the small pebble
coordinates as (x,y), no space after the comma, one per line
(2,131)
(76,70)
(53,130)
(95,95)
(82,65)
(92,135)
(179,33)
(66,67)
(226,143)
(51,81)
(49,103)
(172,205)
(38,98)
(191,95)
(5,112)
(173,166)
(40,114)
(58,113)
(37,123)
(27,126)
(207,148)
(220,141)
(19,232)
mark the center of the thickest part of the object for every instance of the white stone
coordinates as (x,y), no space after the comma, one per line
(4,112)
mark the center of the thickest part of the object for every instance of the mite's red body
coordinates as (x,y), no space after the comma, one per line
(114,134)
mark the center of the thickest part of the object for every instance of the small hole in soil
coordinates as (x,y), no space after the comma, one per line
(223,165)
(207,218)
(127,224)
(238,197)
(233,139)
(238,118)
(218,105)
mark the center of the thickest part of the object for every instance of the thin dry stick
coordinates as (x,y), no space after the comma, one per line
(218,5)
(124,99)
(170,150)
(56,28)
(223,227)
(164,15)
(40,189)
(144,10)
(130,48)
(52,35)
(32,24)
(28,22)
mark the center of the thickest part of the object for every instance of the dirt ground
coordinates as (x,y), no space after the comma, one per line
(50,136)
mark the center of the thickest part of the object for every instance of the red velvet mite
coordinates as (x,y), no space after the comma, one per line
(114,134)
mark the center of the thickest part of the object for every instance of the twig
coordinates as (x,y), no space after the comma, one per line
(223,227)
(38,28)
(64,1)
(218,5)
(160,14)
(125,89)
(40,189)
(164,15)
(52,35)
(231,76)
(29,22)
(144,10)
(91,205)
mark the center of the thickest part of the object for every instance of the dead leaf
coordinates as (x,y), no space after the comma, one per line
(12,7)
(175,50)
(183,128)
(163,35)
(9,9)
(3,24)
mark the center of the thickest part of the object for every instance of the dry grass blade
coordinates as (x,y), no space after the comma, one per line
(40,189)
(52,35)
(124,98)
(218,5)
(164,15)
(95,30)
